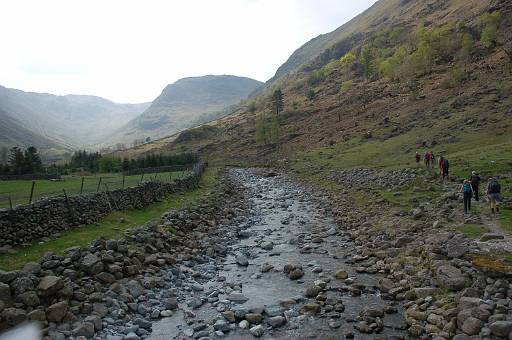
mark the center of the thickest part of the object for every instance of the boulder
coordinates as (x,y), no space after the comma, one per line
(501,328)
(491,236)
(85,329)
(450,277)
(91,264)
(49,285)
(57,311)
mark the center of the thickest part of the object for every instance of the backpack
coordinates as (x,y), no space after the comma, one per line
(446,164)
(494,187)
(467,187)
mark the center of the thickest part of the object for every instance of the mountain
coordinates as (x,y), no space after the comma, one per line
(12,133)
(185,103)
(405,75)
(71,120)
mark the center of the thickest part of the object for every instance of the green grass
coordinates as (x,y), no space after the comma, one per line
(472,230)
(19,191)
(110,227)
(505,220)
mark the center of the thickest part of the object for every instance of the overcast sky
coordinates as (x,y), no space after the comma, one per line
(127,51)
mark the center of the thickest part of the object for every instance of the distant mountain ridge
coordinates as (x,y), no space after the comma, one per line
(185,103)
(71,121)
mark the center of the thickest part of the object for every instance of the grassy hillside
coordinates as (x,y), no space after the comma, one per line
(403,76)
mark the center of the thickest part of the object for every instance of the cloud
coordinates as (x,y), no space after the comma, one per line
(129,50)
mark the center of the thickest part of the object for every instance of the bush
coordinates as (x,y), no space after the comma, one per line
(490,22)
(346,85)
(310,94)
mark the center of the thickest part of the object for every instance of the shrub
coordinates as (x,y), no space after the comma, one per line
(310,94)
(346,85)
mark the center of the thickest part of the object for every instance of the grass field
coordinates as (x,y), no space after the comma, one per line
(112,226)
(19,191)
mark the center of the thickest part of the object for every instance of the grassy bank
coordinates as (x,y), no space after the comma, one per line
(488,154)
(112,226)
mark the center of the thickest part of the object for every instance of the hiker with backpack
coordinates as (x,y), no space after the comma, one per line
(418,158)
(475,182)
(494,194)
(440,165)
(444,168)
(467,191)
(427,159)
(432,159)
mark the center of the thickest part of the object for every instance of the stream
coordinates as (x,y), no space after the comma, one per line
(286,225)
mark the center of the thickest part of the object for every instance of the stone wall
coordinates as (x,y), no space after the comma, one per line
(27,223)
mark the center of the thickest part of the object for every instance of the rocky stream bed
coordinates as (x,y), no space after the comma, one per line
(266,257)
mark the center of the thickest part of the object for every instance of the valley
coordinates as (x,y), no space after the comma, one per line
(307,214)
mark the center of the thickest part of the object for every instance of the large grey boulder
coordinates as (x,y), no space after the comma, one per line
(450,277)
(91,264)
(49,285)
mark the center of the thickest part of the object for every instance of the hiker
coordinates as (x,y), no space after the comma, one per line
(467,191)
(440,165)
(494,194)
(475,182)
(445,168)
(418,158)
(427,159)
(432,159)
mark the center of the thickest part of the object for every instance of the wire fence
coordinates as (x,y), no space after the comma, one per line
(15,192)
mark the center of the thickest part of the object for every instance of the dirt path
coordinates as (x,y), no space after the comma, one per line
(286,227)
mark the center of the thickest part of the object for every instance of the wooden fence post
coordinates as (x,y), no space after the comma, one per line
(82,186)
(10,202)
(31,192)
(123,182)
(141,178)
(99,183)
(71,212)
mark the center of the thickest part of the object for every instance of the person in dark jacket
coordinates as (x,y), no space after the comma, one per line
(445,168)
(494,194)
(475,182)
(467,191)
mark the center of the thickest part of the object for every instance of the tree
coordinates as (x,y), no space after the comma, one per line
(277,101)
(33,163)
(251,107)
(261,135)
(109,164)
(126,164)
(490,30)
(467,47)
(4,155)
(367,61)
(274,130)
(16,160)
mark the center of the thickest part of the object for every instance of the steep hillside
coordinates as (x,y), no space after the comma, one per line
(13,133)
(403,76)
(72,120)
(185,103)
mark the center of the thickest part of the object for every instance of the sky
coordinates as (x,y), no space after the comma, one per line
(128,51)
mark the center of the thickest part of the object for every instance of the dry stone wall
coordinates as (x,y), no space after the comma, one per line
(27,223)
